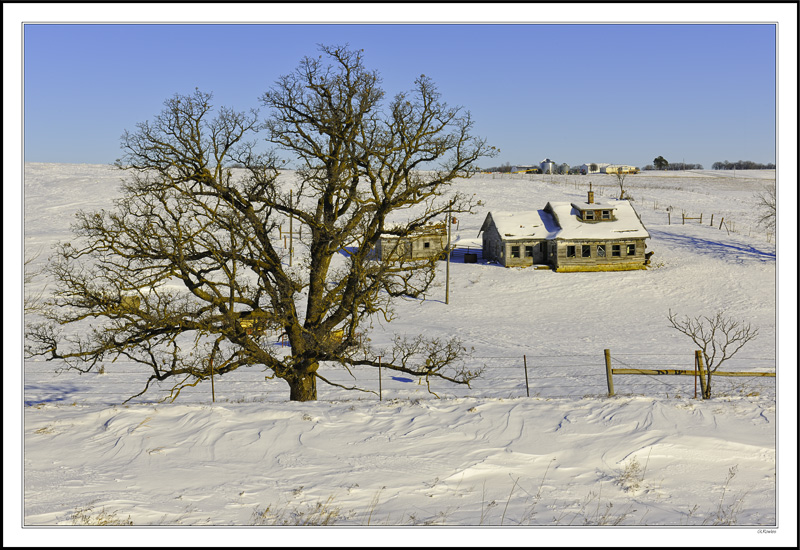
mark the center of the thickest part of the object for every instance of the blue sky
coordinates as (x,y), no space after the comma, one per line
(619,93)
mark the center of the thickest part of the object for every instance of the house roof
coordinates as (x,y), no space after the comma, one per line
(533,224)
(626,222)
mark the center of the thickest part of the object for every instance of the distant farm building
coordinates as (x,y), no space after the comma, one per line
(620,169)
(605,168)
(424,243)
(584,236)
(526,169)
(593,167)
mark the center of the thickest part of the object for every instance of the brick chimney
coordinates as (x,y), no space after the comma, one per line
(591,194)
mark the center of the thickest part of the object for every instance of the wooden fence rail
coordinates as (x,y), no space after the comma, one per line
(698,372)
(689,372)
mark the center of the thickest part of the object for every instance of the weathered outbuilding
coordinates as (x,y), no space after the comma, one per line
(426,242)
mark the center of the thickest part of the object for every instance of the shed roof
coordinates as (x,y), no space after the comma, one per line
(429,230)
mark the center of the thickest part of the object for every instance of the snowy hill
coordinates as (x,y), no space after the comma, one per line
(485,455)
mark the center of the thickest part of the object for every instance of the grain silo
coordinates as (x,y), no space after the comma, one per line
(548,166)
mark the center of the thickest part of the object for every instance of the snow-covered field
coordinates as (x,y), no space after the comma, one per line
(555,452)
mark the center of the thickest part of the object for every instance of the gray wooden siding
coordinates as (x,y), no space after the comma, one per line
(600,263)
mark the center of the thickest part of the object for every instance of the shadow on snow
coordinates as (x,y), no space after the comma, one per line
(50,393)
(727,251)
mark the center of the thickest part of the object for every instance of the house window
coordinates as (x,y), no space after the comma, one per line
(616,250)
(571,251)
(426,245)
(586,251)
(601,251)
(606,214)
(515,251)
(631,248)
(588,215)
(529,251)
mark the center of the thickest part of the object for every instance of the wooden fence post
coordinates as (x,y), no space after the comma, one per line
(712,220)
(213,396)
(380,380)
(525,363)
(609,375)
(698,355)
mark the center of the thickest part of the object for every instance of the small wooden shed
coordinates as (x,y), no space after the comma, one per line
(426,242)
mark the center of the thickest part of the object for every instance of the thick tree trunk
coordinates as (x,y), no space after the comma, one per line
(302,387)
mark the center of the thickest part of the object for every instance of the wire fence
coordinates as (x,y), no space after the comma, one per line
(673,215)
(535,376)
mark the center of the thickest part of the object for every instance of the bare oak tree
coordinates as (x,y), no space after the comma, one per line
(718,337)
(187,274)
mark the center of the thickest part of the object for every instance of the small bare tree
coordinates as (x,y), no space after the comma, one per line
(767,207)
(621,182)
(718,337)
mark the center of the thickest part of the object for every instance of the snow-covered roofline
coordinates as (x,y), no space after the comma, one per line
(532,224)
(625,225)
(594,206)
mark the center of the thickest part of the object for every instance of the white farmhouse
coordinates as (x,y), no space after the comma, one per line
(585,236)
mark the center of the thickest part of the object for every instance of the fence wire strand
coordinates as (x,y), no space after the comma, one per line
(506,376)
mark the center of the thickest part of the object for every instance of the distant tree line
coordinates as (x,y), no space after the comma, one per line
(676,166)
(742,165)
(661,165)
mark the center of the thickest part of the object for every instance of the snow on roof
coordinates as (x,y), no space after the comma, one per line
(534,224)
(424,231)
(626,223)
(594,205)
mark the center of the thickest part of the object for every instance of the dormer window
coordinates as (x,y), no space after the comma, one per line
(588,215)
(606,214)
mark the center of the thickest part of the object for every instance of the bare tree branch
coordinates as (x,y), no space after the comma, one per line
(767,205)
